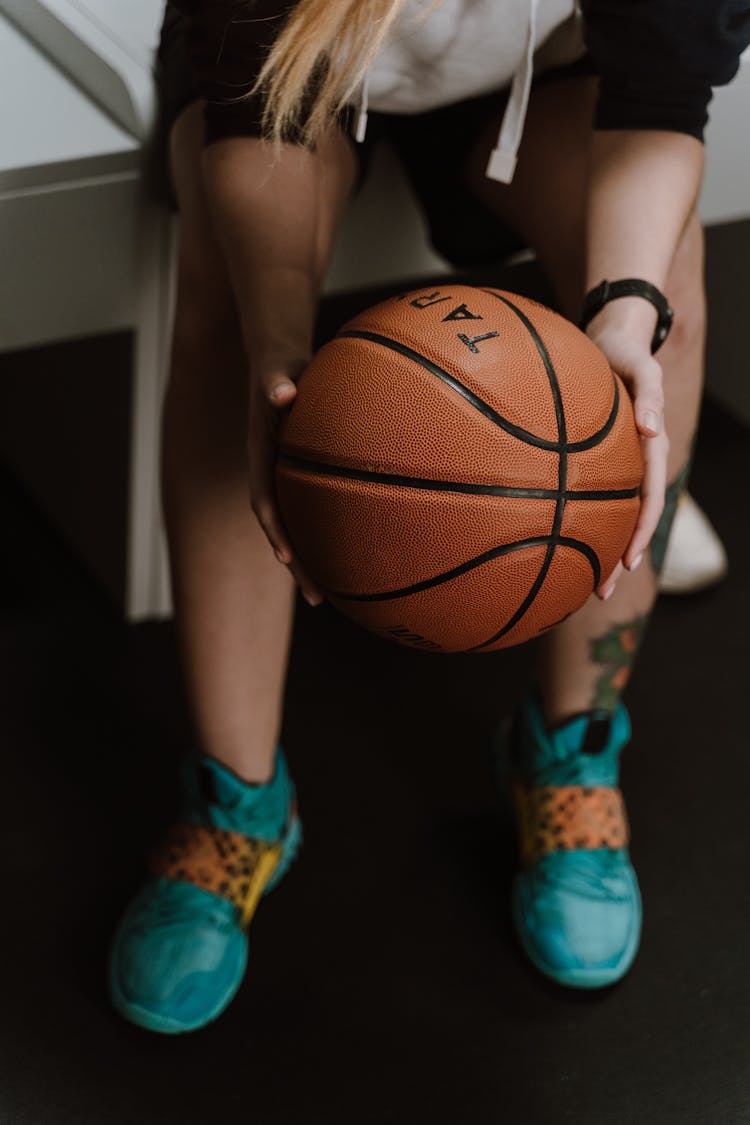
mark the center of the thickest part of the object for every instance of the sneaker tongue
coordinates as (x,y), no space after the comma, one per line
(583,750)
(231,803)
(220,787)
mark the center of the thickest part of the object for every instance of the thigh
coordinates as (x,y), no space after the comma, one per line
(204,294)
(545,201)
(207,389)
(203,287)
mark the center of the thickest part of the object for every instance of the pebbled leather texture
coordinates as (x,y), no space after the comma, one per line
(460,468)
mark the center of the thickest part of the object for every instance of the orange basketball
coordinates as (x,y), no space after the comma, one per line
(460,469)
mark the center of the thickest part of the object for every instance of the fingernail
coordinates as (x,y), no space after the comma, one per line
(607,593)
(651,421)
(281,390)
(279,555)
(311,599)
(636,563)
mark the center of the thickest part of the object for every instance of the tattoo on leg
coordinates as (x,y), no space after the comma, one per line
(660,538)
(615,650)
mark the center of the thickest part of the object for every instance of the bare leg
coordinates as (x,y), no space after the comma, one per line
(586,661)
(180,951)
(233,600)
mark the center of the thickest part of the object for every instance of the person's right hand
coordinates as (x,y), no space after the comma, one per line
(272,390)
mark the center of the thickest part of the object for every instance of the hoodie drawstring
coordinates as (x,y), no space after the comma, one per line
(360,126)
(502,162)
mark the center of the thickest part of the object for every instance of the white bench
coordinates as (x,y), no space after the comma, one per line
(83,252)
(91,255)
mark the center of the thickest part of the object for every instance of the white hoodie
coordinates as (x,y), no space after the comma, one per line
(463,48)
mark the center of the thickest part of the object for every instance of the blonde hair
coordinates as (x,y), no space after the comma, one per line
(321,54)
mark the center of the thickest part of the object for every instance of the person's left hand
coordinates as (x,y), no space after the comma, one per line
(629,354)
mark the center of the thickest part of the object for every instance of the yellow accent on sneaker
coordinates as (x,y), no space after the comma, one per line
(229,864)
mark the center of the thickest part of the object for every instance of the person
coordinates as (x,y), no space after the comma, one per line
(597,164)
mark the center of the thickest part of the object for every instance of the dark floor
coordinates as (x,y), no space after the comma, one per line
(384,983)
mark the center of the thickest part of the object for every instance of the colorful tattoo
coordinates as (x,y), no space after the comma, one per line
(658,545)
(615,651)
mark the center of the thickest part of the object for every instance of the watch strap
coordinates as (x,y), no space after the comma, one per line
(607,291)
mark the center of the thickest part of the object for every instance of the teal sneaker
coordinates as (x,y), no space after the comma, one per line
(180,952)
(576,903)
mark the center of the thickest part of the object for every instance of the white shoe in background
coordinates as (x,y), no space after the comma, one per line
(695,558)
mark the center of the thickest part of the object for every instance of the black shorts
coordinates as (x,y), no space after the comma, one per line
(433,148)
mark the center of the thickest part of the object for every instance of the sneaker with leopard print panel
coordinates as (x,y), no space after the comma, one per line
(180,952)
(576,903)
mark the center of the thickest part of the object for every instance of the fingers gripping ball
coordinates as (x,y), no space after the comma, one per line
(460,469)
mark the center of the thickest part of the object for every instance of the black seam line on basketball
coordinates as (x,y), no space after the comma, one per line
(562,472)
(487,411)
(322,468)
(451,381)
(484,407)
(599,436)
(577,545)
(562,432)
(523,607)
(472,564)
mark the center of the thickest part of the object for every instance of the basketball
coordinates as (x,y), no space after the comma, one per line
(460,469)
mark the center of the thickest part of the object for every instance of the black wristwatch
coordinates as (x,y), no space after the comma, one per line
(606,291)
